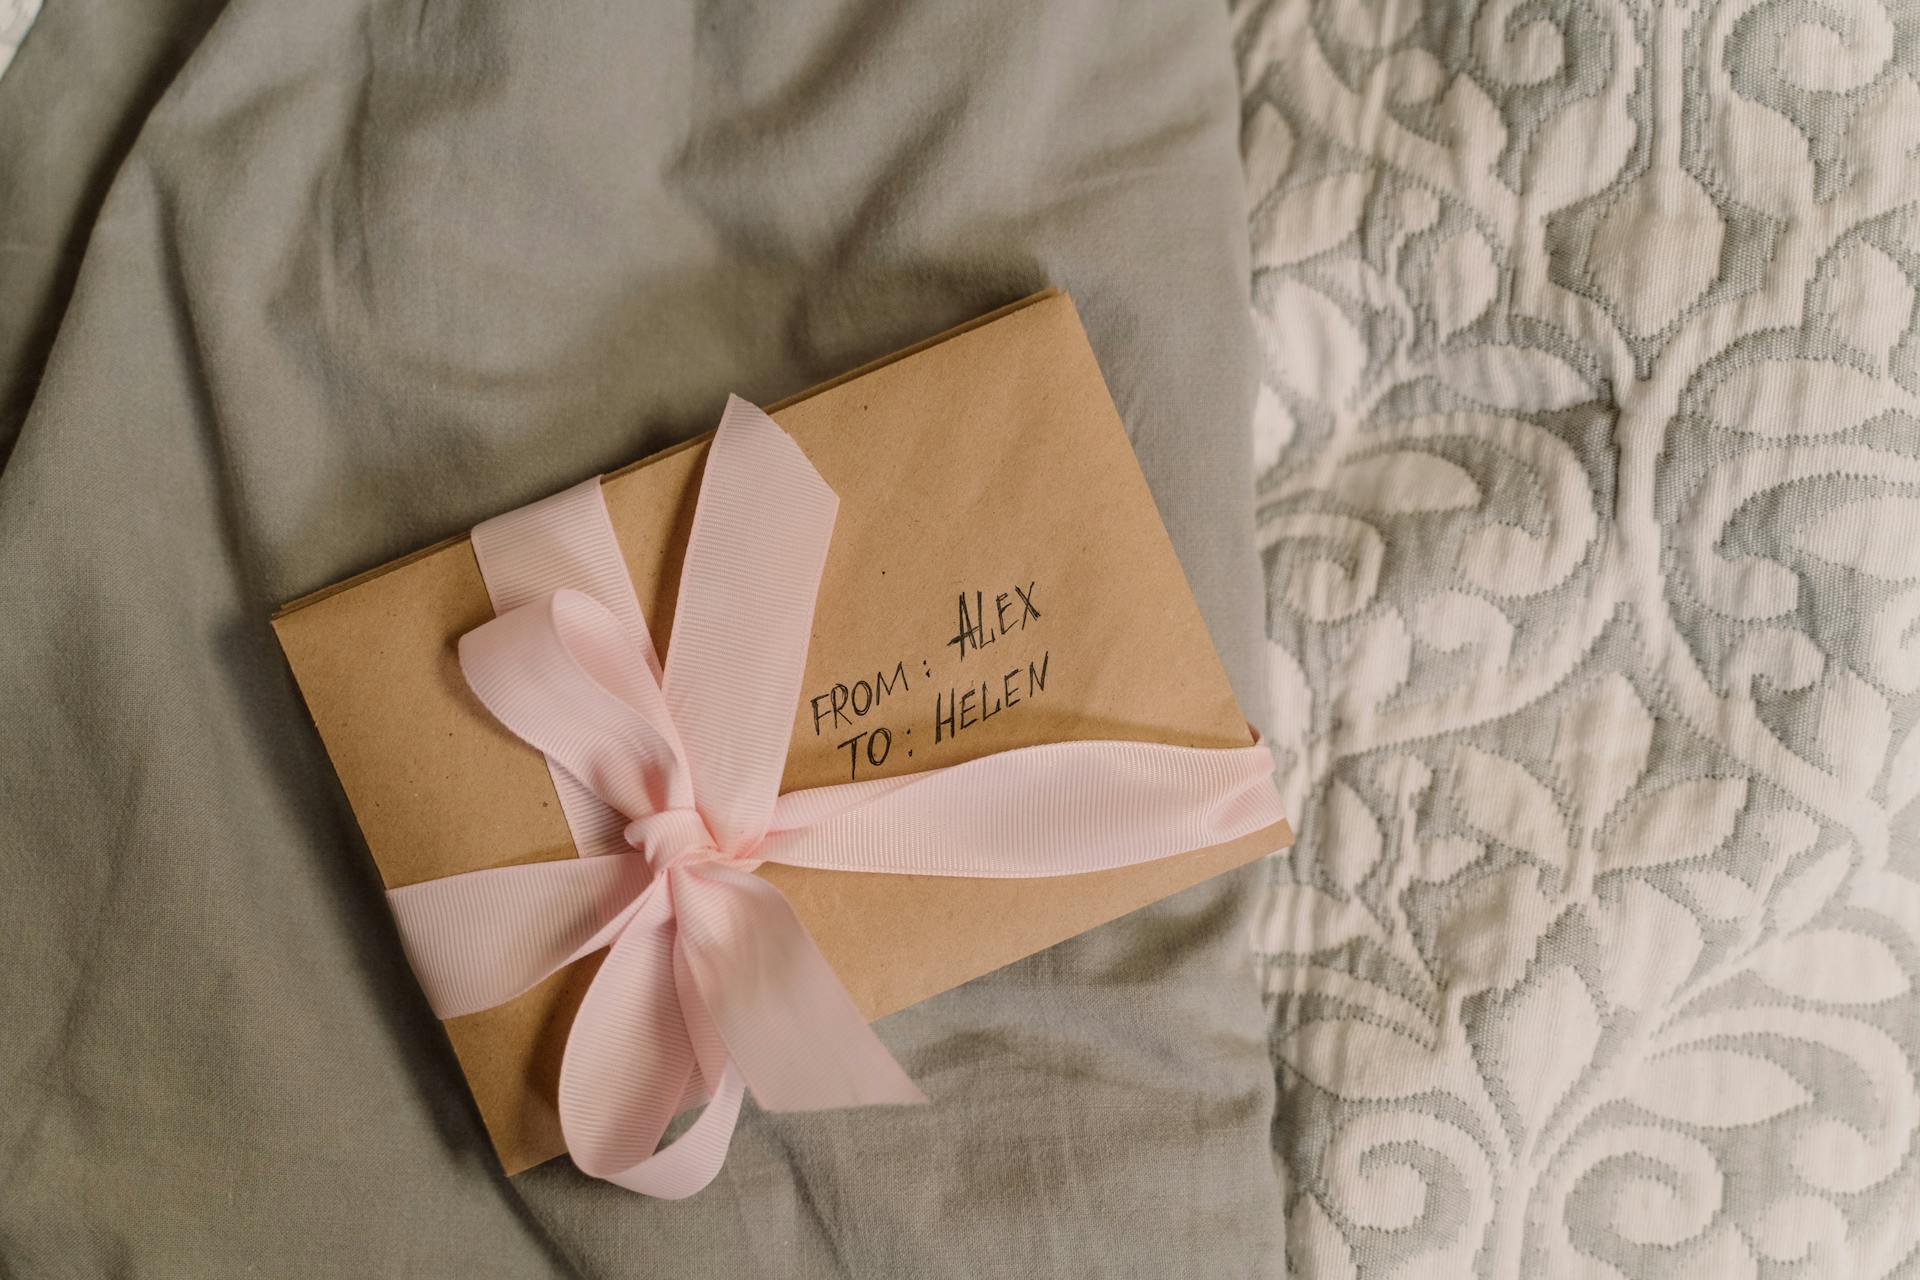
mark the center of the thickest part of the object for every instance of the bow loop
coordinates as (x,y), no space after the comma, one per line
(628,1066)
(557,671)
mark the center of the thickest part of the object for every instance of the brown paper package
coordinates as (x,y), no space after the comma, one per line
(986,465)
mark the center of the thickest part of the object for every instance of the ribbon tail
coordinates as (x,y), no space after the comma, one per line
(790,1028)
(744,618)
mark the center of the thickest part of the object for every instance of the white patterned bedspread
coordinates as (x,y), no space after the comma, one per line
(1590,505)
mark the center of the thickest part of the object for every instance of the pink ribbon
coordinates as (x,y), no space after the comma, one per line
(670,780)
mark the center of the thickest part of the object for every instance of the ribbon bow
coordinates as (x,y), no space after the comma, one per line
(670,780)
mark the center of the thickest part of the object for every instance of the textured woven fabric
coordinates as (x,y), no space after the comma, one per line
(374,271)
(16,17)
(1590,503)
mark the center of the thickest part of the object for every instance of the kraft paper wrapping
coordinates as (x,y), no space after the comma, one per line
(998,577)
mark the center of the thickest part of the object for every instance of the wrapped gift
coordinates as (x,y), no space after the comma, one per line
(987,655)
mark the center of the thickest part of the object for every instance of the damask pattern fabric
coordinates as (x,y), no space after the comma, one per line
(1590,506)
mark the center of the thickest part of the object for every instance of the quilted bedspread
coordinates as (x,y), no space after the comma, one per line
(1589,474)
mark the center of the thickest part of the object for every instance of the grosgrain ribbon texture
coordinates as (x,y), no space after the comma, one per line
(669,776)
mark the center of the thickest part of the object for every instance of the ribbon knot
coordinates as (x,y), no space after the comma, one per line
(672,838)
(670,779)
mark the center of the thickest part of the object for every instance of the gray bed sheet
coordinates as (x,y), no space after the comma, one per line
(357,275)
